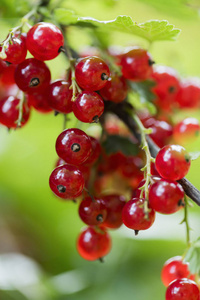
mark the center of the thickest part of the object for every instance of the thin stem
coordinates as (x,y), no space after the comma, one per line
(186,221)
(147,167)
(65,121)
(20,117)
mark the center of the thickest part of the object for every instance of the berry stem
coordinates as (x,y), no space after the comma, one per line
(147,168)
(20,117)
(186,221)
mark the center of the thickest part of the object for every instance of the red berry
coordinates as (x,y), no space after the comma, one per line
(92,211)
(174,268)
(166,196)
(115,90)
(88,107)
(60,96)
(44,41)
(92,73)
(66,181)
(9,112)
(93,244)
(114,204)
(161,131)
(186,130)
(74,146)
(32,76)
(189,94)
(96,151)
(133,215)
(173,162)
(166,88)
(182,289)
(39,101)
(136,64)
(16,50)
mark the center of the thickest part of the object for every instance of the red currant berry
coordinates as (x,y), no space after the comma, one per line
(93,244)
(16,50)
(136,64)
(166,196)
(96,151)
(134,217)
(114,204)
(92,73)
(74,146)
(189,94)
(88,107)
(173,162)
(182,289)
(174,268)
(66,181)
(186,130)
(161,131)
(32,76)
(9,112)
(39,101)
(44,41)
(166,88)
(115,90)
(60,96)
(92,211)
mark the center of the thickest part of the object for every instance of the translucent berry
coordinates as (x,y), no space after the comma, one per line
(32,76)
(39,101)
(166,196)
(186,131)
(173,162)
(96,151)
(182,289)
(115,90)
(60,96)
(136,64)
(66,181)
(114,204)
(44,41)
(92,211)
(92,73)
(134,217)
(88,107)
(189,94)
(174,268)
(166,87)
(16,49)
(93,243)
(9,112)
(74,146)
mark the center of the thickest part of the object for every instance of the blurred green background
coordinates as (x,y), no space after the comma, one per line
(37,225)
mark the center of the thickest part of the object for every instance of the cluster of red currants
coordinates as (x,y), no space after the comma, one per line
(179,281)
(84,169)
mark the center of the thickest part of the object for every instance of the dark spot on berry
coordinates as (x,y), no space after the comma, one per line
(95,119)
(181,203)
(171,89)
(75,147)
(61,188)
(56,113)
(99,218)
(101,259)
(104,76)
(151,62)
(187,158)
(136,232)
(34,82)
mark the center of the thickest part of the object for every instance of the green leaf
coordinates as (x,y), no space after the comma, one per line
(154,30)
(193,257)
(116,143)
(65,16)
(144,90)
(194,155)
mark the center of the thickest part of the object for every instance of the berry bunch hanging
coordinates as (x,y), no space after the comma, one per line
(98,88)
